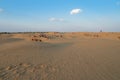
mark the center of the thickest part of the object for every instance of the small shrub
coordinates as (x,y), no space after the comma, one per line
(36,39)
(40,40)
(118,37)
(32,39)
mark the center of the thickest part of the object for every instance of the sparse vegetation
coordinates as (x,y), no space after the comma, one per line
(96,35)
(45,36)
(87,35)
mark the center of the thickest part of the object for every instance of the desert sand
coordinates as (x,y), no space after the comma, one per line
(60,56)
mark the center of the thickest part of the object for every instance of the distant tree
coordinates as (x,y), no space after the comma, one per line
(101,31)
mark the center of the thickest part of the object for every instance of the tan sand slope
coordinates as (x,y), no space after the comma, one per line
(75,56)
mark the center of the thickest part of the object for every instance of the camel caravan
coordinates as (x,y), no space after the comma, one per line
(40,37)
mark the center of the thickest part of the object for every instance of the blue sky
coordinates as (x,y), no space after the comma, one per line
(60,15)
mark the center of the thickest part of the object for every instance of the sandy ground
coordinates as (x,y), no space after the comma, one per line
(76,56)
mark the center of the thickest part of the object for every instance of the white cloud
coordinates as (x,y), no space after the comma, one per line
(52,19)
(56,19)
(1,10)
(76,11)
(118,3)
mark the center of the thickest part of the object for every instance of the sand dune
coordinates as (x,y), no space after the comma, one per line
(74,56)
